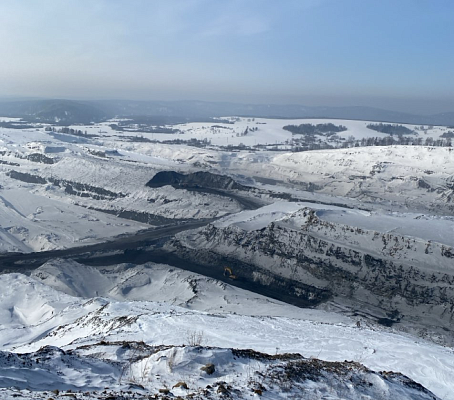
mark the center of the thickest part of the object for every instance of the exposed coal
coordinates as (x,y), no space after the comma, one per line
(200,179)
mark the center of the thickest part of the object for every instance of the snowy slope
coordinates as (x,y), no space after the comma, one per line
(160,283)
(102,329)
(409,178)
(135,369)
(50,189)
(30,222)
(429,228)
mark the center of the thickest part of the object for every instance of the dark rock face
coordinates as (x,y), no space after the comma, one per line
(200,179)
(395,278)
(71,187)
(40,158)
(141,216)
(209,369)
(250,276)
(164,178)
(25,177)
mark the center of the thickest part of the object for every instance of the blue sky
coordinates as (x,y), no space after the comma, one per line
(391,54)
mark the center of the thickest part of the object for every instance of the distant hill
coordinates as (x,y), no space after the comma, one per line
(203,109)
(65,112)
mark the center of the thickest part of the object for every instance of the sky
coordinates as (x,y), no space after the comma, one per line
(392,54)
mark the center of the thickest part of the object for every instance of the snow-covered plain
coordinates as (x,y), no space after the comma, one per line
(269,131)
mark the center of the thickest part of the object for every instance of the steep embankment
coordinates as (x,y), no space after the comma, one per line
(396,277)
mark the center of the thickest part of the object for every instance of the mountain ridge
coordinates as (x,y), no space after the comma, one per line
(85,111)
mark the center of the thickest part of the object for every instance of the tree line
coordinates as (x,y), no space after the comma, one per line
(391,129)
(372,141)
(319,129)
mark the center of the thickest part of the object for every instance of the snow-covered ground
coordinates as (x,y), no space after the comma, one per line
(380,265)
(406,178)
(59,190)
(30,222)
(269,131)
(35,314)
(54,201)
(413,225)
(409,179)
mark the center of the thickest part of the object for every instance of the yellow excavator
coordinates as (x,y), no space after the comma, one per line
(228,272)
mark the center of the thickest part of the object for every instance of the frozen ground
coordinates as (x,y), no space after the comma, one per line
(30,222)
(118,326)
(36,315)
(425,227)
(68,172)
(392,265)
(269,131)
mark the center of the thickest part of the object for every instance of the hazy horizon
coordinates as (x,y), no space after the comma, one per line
(314,52)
